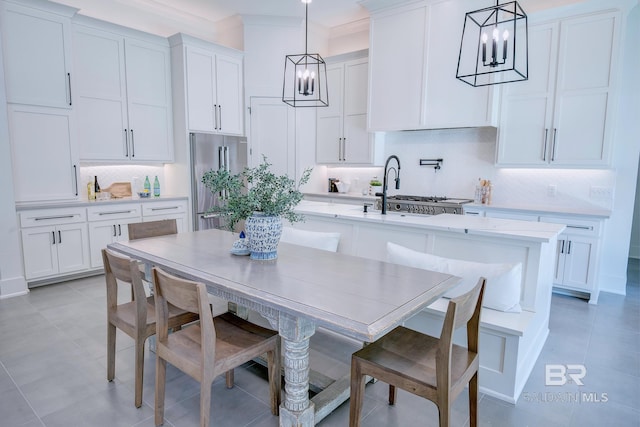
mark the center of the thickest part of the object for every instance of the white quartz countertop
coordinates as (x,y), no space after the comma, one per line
(481,226)
(20,206)
(581,209)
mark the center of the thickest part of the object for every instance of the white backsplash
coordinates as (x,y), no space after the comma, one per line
(468,154)
(108,174)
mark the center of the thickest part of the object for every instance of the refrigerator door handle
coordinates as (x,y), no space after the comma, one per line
(226,159)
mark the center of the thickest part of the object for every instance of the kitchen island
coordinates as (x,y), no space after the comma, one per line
(510,342)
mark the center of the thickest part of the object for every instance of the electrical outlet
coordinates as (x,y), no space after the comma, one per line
(552,190)
(601,193)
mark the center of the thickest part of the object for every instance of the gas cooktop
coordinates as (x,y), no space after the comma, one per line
(425,205)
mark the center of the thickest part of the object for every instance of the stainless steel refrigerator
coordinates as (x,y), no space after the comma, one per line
(212,152)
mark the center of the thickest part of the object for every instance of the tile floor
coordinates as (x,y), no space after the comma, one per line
(53,368)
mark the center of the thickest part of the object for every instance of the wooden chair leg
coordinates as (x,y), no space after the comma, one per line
(139,370)
(473,401)
(444,409)
(357,393)
(393,394)
(205,402)
(229,378)
(275,381)
(161,378)
(111,352)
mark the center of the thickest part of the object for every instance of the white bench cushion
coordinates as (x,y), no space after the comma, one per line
(502,291)
(312,239)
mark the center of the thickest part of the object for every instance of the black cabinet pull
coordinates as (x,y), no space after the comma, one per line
(59,236)
(114,230)
(75,177)
(53,234)
(133,145)
(119,230)
(69,82)
(562,248)
(220,116)
(126,143)
(569,248)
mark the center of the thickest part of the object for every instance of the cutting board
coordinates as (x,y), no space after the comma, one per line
(119,189)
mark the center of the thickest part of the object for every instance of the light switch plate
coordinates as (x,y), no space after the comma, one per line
(601,193)
(552,190)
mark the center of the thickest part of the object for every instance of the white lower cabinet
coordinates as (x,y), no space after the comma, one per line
(577,258)
(167,210)
(108,224)
(54,242)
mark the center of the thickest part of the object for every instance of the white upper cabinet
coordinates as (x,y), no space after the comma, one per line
(37,54)
(562,116)
(342,135)
(413,58)
(214,92)
(123,97)
(43,153)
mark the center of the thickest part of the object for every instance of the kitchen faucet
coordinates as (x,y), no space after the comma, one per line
(384,183)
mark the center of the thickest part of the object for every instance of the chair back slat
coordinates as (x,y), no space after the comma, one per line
(466,304)
(124,269)
(141,230)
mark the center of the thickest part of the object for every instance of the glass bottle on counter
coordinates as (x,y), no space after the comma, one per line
(156,187)
(147,185)
(96,186)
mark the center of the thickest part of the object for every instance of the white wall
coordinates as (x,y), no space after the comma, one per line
(12,281)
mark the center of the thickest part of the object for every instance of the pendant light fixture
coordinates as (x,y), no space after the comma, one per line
(305,75)
(494,46)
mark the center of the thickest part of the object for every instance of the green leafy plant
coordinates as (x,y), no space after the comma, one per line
(255,190)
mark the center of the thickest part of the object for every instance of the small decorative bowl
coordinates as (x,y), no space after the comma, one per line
(144,195)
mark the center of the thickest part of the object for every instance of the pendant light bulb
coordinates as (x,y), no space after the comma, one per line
(505,35)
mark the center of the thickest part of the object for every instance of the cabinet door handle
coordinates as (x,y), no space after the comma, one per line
(59,236)
(544,150)
(69,83)
(581,227)
(220,117)
(562,247)
(215,116)
(53,234)
(75,177)
(164,209)
(339,149)
(555,144)
(344,149)
(114,230)
(42,218)
(119,230)
(114,212)
(569,248)
(133,145)
(126,143)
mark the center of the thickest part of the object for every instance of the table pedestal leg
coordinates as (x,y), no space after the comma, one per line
(296,410)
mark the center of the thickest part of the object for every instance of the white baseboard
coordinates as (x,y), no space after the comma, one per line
(13,287)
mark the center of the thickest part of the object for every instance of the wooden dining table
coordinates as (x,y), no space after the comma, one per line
(301,290)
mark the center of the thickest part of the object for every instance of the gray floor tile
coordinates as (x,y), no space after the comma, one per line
(53,371)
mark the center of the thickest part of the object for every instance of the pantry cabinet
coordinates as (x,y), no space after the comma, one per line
(342,136)
(37,53)
(54,242)
(413,58)
(123,94)
(43,153)
(563,115)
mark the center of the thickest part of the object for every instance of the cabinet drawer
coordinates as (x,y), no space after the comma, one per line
(107,213)
(163,208)
(40,217)
(583,227)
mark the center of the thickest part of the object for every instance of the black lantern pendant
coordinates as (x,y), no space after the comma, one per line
(305,76)
(504,59)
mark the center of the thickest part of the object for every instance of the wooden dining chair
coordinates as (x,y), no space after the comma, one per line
(433,368)
(135,318)
(141,230)
(210,348)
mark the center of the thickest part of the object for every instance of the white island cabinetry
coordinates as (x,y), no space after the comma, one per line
(510,342)
(160,210)
(54,242)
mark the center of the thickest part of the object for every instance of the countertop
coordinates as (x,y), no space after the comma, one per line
(581,209)
(21,206)
(480,226)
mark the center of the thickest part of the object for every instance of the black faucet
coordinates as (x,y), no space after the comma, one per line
(384,183)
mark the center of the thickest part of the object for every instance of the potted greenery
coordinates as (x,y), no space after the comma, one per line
(260,197)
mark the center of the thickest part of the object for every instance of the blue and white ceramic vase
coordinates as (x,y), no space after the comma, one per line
(264,233)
